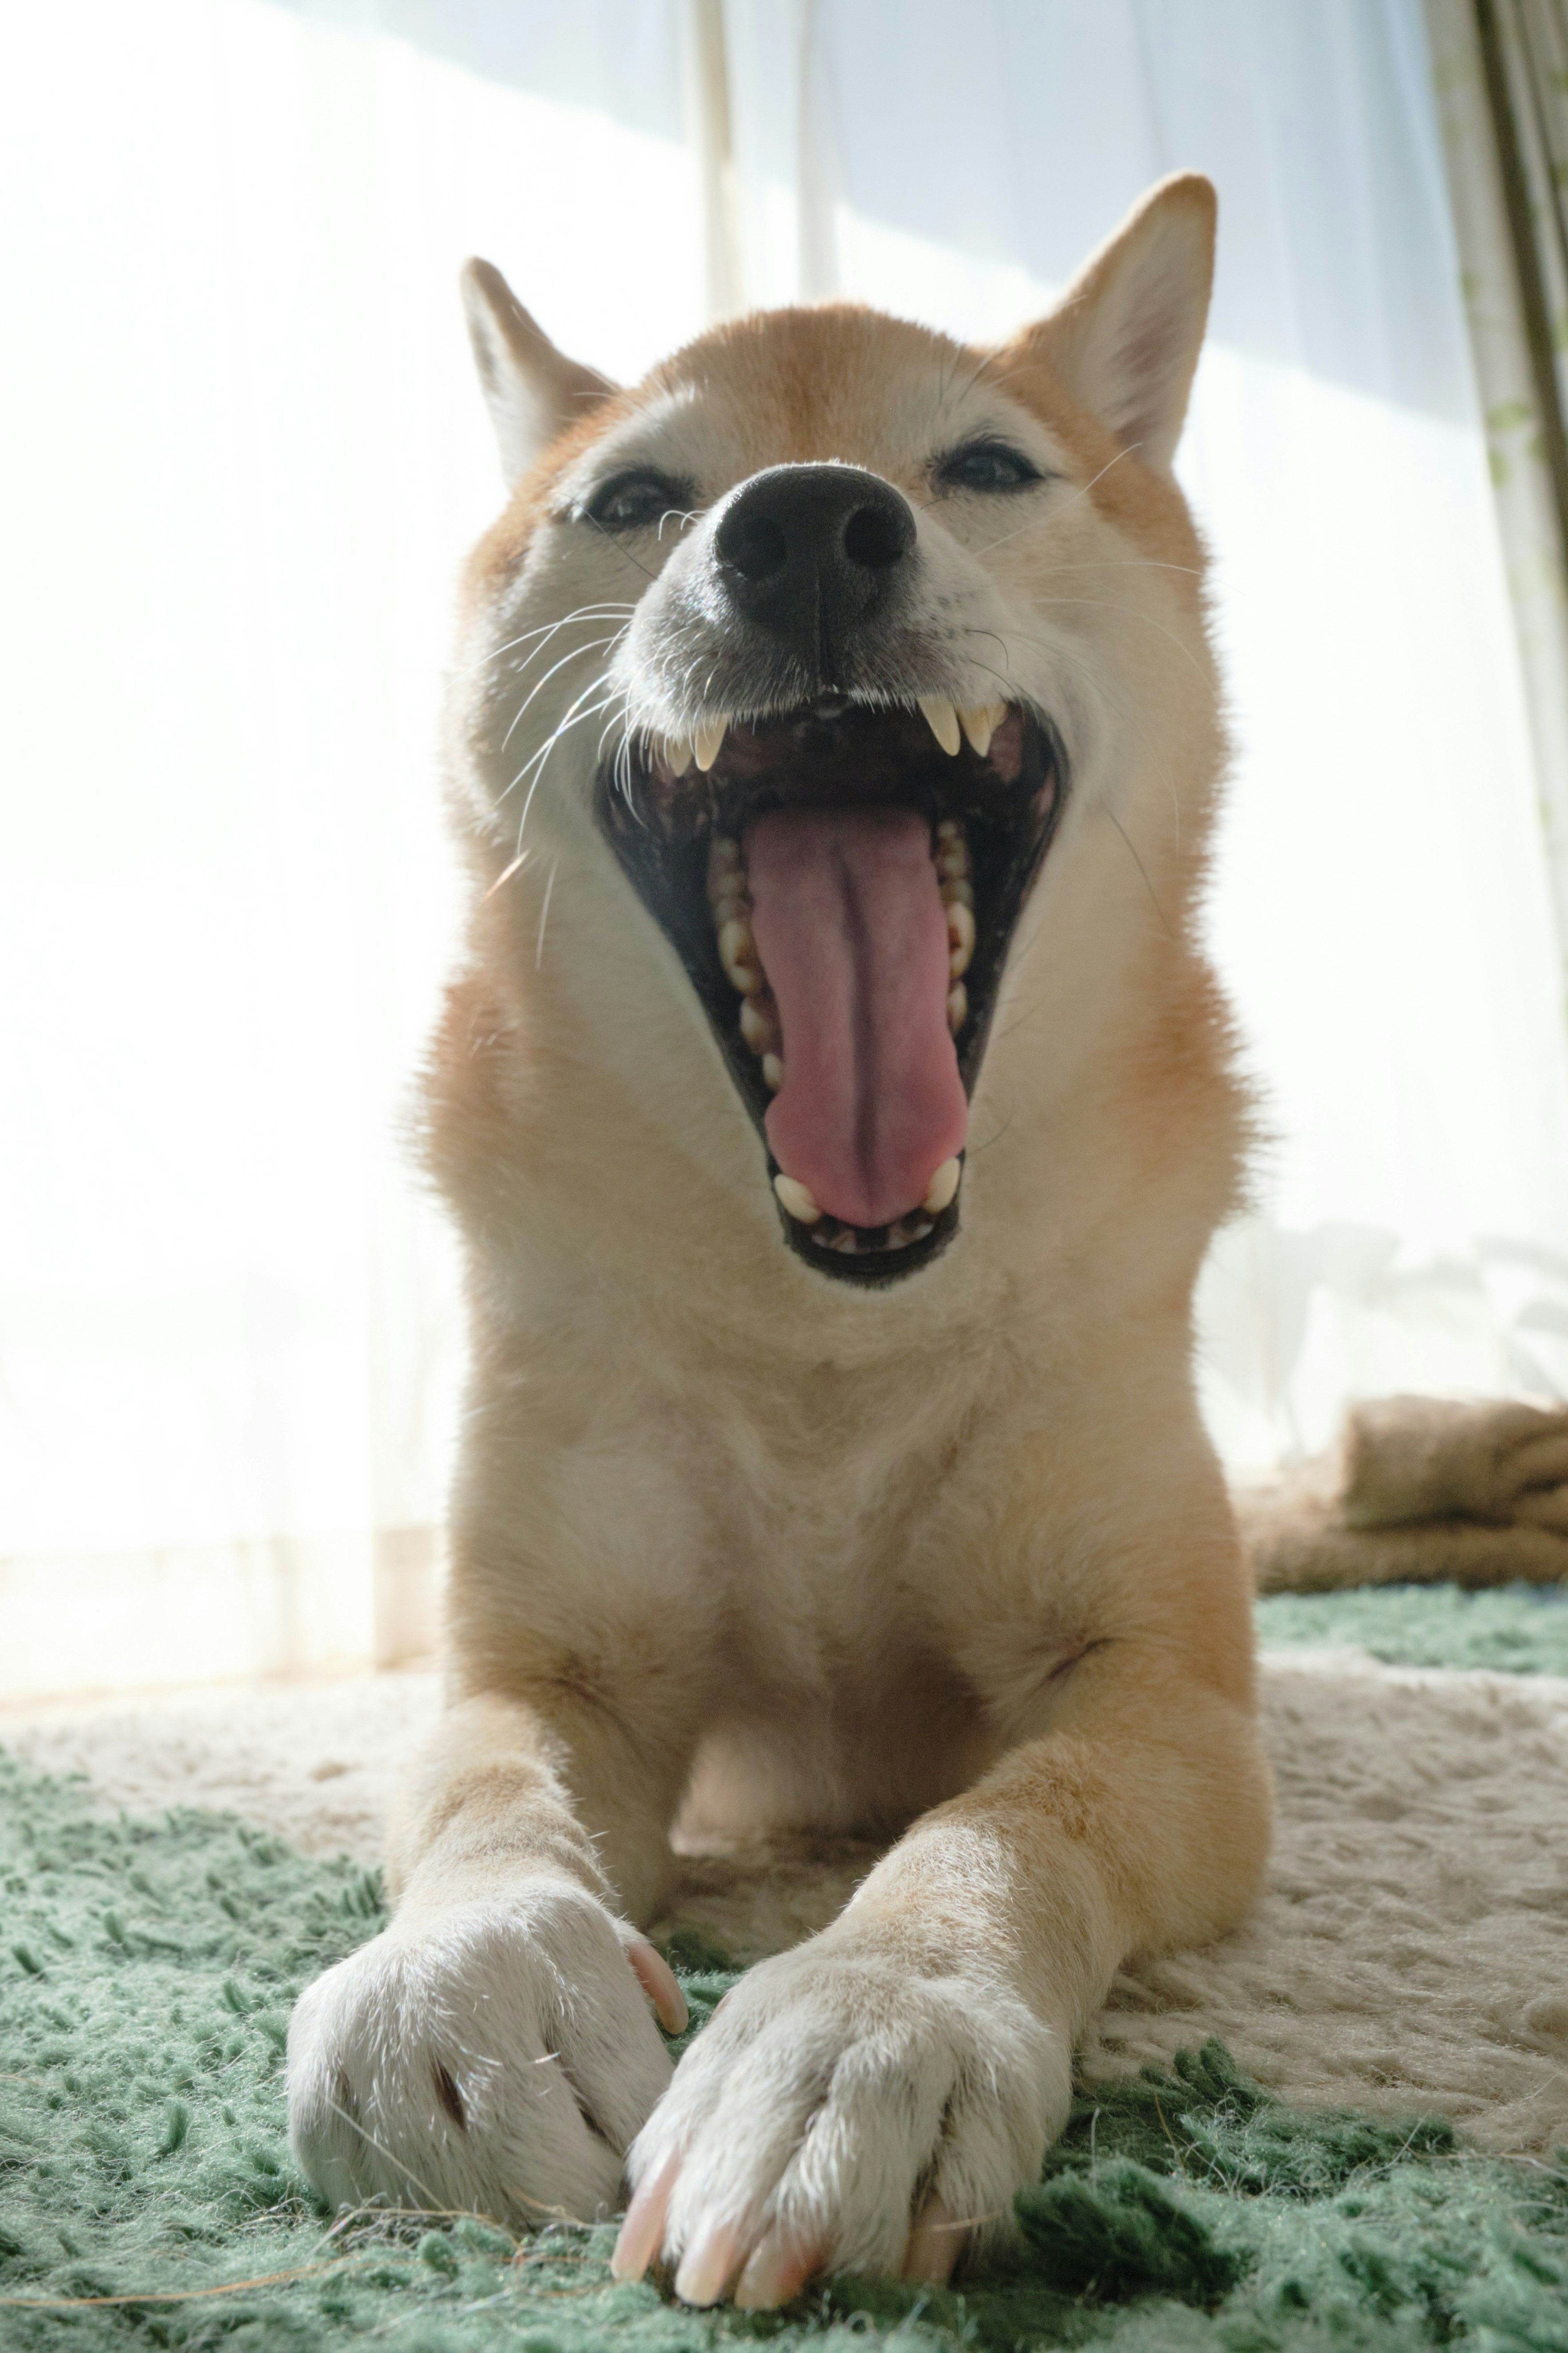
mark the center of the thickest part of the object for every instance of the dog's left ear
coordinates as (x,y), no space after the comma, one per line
(533,391)
(1124,339)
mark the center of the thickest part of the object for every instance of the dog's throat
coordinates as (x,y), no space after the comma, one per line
(853,939)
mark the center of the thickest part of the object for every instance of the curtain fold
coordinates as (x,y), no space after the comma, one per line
(1500,69)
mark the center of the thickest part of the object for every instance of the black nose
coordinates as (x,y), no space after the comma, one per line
(811,552)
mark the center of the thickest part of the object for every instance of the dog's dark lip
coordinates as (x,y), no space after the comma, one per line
(1009,803)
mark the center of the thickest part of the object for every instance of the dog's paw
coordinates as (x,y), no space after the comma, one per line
(498,2057)
(842,2113)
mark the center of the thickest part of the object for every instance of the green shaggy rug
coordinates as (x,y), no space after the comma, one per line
(1513,1629)
(147,2196)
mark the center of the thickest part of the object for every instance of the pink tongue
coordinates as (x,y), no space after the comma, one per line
(852,937)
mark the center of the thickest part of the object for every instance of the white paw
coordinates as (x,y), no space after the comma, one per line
(842,2113)
(497,2057)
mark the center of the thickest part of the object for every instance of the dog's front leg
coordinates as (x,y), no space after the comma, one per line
(493,2049)
(874,2099)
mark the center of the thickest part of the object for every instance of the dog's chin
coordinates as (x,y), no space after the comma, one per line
(838,773)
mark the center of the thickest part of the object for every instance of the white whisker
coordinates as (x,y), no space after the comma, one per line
(593,646)
(544,916)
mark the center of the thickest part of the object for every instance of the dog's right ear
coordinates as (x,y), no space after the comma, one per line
(533,391)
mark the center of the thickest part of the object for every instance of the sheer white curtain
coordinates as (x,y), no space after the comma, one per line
(243,451)
(243,454)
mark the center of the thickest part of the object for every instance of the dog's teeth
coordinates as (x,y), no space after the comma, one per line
(952,861)
(943,719)
(678,755)
(979,726)
(795,1201)
(959,940)
(726,867)
(738,955)
(772,1071)
(942,1186)
(707,742)
(956,893)
(918,1230)
(734,907)
(845,1243)
(957,1007)
(758,1025)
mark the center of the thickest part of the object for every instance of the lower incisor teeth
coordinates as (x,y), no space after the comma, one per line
(796,1200)
(942,1186)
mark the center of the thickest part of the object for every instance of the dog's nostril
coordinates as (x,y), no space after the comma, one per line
(754,544)
(877,536)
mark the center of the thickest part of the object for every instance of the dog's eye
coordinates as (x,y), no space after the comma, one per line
(986,466)
(636,501)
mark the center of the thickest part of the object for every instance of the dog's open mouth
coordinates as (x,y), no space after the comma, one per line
(842,884)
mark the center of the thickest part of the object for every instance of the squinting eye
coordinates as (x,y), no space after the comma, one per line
(636,501)
(986,466)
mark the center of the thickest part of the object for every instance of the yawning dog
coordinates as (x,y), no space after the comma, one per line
(837,1106)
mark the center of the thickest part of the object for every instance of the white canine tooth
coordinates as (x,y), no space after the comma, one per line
(957,1007)
(676,754)
(943,719)
(979,724)
(758,1025)
(942,1186)
(772,1069)
(709,738)
(959,940)
(794,1200)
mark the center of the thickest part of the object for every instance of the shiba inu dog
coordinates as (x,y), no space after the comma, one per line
(836,1107)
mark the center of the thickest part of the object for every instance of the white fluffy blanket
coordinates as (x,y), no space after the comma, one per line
(1410,1953)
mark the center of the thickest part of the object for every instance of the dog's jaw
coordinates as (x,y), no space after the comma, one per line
(837,783)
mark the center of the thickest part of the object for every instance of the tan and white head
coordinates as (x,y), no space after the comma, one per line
(839,695)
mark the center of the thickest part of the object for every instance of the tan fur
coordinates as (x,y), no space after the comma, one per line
(733,1545)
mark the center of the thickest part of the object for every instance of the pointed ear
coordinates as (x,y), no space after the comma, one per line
(1124,339)
(533,391)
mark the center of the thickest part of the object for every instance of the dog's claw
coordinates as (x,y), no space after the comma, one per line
(709,2264)
(778,2269)
(935,2245)
(659,1982)
(644,2226)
